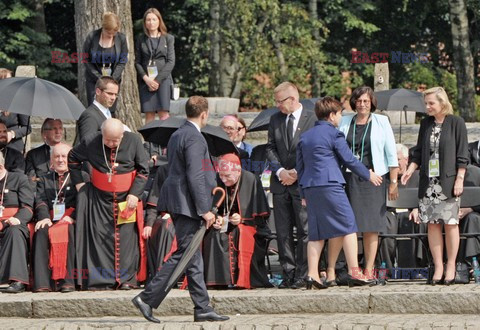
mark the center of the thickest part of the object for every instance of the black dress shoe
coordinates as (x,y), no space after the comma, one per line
(312,284)
(125,286)
(209,316)
(449,282)
(286,283)
(352,281)
(15,287)
(145,309)
(298,284)
(67,289)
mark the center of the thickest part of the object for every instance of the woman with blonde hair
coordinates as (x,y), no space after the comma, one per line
(107,54)
(154,61)
(442,155)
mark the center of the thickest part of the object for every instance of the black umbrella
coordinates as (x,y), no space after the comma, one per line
(160,131)
(262,121)
(401,99)
(38,97)
(197,239)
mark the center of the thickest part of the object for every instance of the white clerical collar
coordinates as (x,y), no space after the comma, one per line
(104,110)
(195,124)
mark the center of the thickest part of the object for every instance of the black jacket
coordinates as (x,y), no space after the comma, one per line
(164,57)
(453,147)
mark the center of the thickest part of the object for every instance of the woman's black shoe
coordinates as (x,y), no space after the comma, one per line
(449,282)
(352,281)
(312,284)
(435,282)
(331,283)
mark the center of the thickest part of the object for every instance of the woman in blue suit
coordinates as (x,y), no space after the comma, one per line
(371,140)
(320,153)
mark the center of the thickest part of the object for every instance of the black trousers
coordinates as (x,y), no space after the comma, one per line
(289,213)
(156,291)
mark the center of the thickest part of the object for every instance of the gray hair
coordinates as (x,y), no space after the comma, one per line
(403,149)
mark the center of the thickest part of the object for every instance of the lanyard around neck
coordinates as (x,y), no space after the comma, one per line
(55,185)
(363,138)
(229,206)
(3,189)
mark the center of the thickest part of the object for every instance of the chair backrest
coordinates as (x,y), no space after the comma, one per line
(407,198)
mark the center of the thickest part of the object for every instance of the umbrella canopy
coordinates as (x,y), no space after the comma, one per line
(400,99)
(38,97)
(262,121)
(160,131)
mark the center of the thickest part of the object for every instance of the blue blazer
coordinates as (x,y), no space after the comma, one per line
(382,140)
(191,177)
(320,153)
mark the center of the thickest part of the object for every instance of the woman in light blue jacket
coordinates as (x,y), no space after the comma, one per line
(371,139)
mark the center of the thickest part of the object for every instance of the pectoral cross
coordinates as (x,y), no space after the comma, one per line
(110,176)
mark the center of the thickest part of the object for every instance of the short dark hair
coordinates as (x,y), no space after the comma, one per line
(2,122)
(358,92)
(103,81)
(195,106)
(325,106)
(46,125)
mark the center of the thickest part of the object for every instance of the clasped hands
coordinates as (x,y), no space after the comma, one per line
(152,84)
(288,177)
(234,219)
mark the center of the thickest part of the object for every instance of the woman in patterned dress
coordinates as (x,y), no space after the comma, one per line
(442,155)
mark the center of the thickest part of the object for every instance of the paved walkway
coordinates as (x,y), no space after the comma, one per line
(258,322)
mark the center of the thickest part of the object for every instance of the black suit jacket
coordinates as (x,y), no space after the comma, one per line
(94,65)
(453,147)
(164,57)
(90,122)
(191,177)
(37,162)
(14,161)
(473,151)
(279,154)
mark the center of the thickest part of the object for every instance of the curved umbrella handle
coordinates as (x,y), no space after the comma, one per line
(220,200)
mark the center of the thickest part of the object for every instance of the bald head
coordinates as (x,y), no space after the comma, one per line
(60,157)
(112,132)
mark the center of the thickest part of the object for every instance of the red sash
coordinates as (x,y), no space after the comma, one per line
(246,246)
(8,212)
(58,237)
(120,182)
(142,271)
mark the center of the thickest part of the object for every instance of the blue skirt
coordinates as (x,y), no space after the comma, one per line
(329,213)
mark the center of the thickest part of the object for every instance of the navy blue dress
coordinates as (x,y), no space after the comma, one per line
(321,152)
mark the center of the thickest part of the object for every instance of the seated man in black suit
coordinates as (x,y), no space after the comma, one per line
(474,153)
(90,121)
(37,162)
(14,161)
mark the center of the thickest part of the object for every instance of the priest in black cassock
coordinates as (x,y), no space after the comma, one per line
(53,252)
(16,204)
(235,256)
(14,161)
(159,228)
(109,214)
(37,161)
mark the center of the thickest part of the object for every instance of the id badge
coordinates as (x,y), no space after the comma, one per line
(106,71)
(224,224)
(152,71)
(265,178)
(433,168)
(58,211)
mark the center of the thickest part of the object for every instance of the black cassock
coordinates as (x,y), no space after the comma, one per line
(14,161)
(15,239)
(237,257)
(161,243)
(109,251)
(48,186)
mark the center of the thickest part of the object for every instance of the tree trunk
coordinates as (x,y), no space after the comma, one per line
(39,18)
(315,78)
(88,17)
(214,76)
(462,57)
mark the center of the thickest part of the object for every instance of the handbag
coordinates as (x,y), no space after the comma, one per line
(174,91)
(462,275)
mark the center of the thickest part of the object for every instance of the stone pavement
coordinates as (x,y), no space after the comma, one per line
(258,322)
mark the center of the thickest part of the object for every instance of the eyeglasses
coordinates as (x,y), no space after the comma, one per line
(362,101)
(240,128)
(281,101)
(229,128)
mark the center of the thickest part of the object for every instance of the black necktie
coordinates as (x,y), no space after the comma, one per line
(291,119)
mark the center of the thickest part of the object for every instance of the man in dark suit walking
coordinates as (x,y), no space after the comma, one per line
(90,121)
(283,136)
(187,195)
